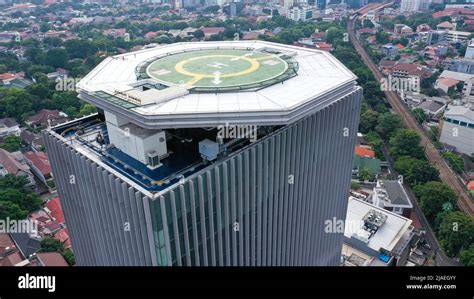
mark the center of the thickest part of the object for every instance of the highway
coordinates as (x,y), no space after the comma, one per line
(446,174)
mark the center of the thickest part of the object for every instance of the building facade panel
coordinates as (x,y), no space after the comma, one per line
(263,205)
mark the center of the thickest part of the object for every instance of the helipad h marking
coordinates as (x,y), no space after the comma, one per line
(179,67)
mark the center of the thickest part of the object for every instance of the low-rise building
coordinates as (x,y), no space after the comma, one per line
(390,51)
(457,129)
(374,236)
(39,165)
(15,164)
(8,126)
(391,196)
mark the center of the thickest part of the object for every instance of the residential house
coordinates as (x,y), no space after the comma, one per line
(364,159)
(45,118)
(390,51)
(35,141)
(8,126)
(210,31)
(391,196)
(39,165)
(13,163)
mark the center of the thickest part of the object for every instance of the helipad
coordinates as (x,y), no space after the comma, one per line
(217,68)
(207,84)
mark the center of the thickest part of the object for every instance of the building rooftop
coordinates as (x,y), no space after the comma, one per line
(388,234)
(396,193)
(460,113)
(202,84)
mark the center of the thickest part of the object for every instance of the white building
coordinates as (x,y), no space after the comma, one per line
(304,13)
(412,6)
(457,129)
(470,50)
(374,236)
(8,126)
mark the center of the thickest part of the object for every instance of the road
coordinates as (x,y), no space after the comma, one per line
(445,172)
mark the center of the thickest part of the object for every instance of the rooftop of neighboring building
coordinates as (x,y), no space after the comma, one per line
(12,165)
(460,113)
(51,259)
(389,233)
(54,205)
(27,244)
(8,122)
(40,161)
(44,117)
(395,191)
(364,151)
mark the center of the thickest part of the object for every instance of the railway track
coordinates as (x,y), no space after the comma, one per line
(446,174)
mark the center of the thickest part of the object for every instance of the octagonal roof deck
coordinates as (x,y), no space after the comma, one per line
(318,79)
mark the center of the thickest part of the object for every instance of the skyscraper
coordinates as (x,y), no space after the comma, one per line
(216,153)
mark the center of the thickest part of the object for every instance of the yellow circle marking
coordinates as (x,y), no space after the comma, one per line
(179,67)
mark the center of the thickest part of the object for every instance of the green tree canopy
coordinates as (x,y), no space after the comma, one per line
(467,256)
(432,196)
(49,244)
(388,123)
(406,142)
(456,232)
(11,143)
(416,171)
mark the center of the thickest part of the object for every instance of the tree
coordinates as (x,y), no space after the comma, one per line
(375,141)
(365,174)
(14,182)
(456,162)
(432,196)
(16,103)
(57,58)
(388,123)
(456,232)
(406,142)
(87,109)
(467,256)
(11,210)
(416,171)
(368,121)
(367,24)
(11,143)
(419,115)
(355,186)
(198,34)
(28,201)
(69,257)
(49,244)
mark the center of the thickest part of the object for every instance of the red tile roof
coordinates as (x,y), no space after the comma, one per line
(470,185)
(52,259)
(11,164)
(54,205)
(364,151)
(40,160)
(212,30)
(62,235)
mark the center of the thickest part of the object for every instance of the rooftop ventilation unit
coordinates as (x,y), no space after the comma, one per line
(373,220)
(153,159)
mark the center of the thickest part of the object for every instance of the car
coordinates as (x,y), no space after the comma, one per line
(425,244)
